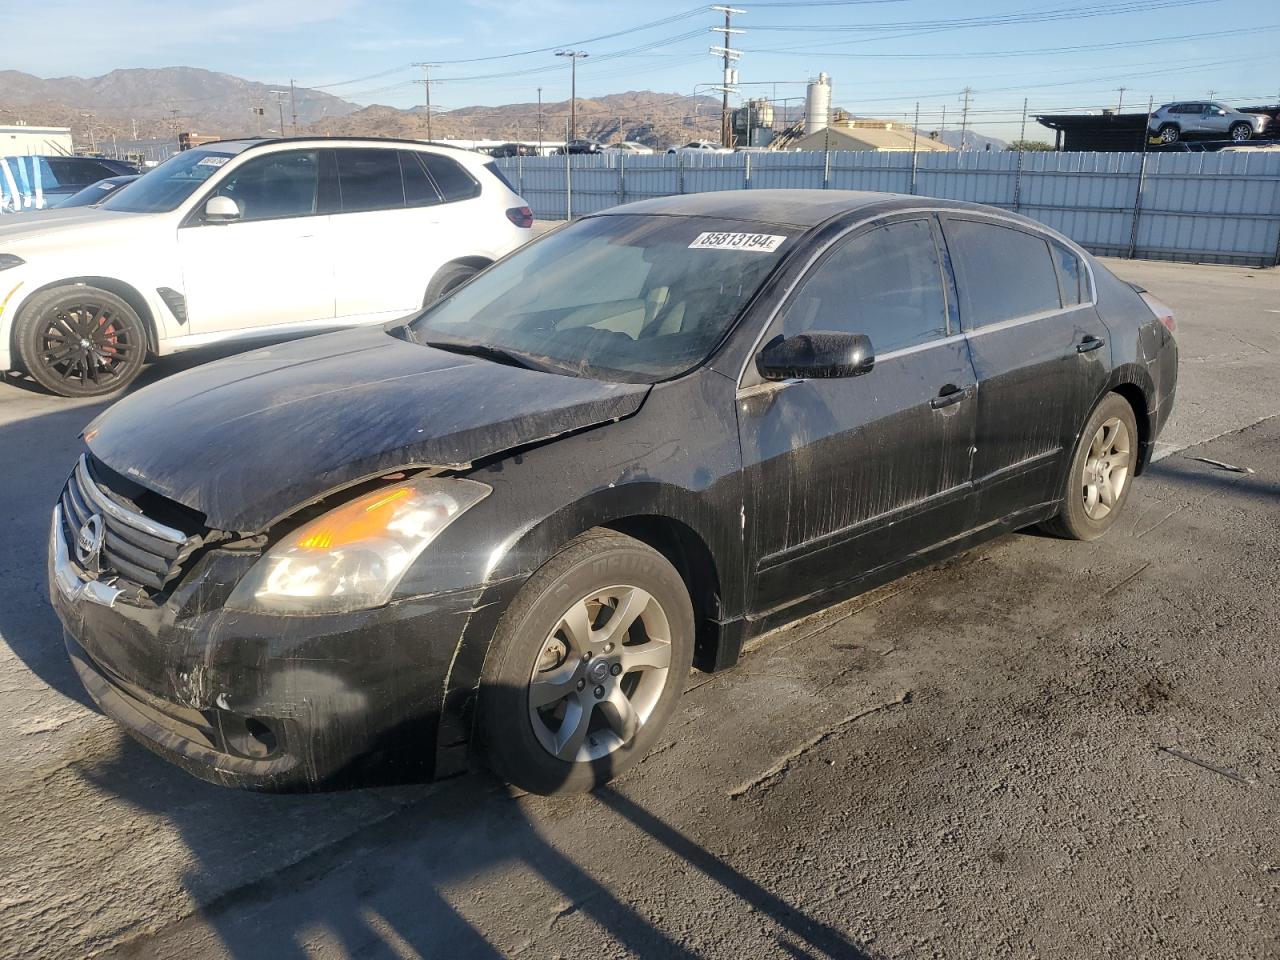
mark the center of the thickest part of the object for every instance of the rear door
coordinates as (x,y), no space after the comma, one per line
(1040,352)
(846,476)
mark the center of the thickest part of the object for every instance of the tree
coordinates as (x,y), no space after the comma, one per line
(1029,146)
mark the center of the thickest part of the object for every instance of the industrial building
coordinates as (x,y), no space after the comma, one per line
(825,128)
(20,140)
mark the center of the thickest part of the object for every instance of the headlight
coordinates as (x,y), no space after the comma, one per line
(8,260)
(351,558)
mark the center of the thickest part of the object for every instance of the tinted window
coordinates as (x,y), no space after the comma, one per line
(454,182)
(494,169)
(273,186)
(1002,273)
(369,180)
(419,191)
(79,170)
(886,284)
(1071,279)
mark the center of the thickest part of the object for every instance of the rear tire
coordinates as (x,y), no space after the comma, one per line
(569,702)
(1169,133)
(447,279)
(81,341)
(1100,474)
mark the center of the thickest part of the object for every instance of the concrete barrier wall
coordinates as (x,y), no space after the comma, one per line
(1200,207)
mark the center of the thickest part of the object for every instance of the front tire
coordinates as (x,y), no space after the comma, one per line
(1101,472)
(81,341)
(1240,132)
(586,667)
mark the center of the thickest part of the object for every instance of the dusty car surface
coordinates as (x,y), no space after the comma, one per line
(509,525)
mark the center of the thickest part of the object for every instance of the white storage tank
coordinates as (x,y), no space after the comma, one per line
(817,105)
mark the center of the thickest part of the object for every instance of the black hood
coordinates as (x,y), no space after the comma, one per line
(246,439)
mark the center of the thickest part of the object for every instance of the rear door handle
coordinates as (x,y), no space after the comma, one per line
(1089,343)
(950,394)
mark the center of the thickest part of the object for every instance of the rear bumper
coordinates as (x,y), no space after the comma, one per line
(263,702)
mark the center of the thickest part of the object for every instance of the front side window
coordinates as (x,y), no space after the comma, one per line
(1003,273)
(454,182)
(629,298)
(886,283)
(369,180)
(165,187)
(274,186)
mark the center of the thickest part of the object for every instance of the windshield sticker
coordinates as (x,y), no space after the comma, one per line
(212,161)
(757,242)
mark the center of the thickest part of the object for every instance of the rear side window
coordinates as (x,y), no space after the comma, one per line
(1002,273)
(454,182)
(369,180)
(886,284)
(1071,278)
(419,191)
(502,177)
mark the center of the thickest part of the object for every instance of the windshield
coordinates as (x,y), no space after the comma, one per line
(165,187)
(630,298)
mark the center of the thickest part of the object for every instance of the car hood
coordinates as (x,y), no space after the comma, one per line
(250,438)
(78,223)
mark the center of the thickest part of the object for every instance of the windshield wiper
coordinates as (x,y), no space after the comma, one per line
(483,350)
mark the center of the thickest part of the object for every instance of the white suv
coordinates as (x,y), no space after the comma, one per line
(245,240)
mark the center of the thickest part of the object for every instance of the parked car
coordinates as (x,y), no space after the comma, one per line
(246,240)
(36,182)
(629,147)
(96,193)
(513,520)
(579,146)
(700,146)
(1205,119)
(514,150)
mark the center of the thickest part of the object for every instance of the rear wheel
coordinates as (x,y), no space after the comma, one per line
(1100,473)
(447,279)
(1169,133)
(1241,132)
(81,341)
(587,666)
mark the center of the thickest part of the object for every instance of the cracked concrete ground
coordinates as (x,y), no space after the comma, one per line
(1037,748)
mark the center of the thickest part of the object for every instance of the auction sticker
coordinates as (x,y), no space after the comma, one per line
(759,242)
(214,161)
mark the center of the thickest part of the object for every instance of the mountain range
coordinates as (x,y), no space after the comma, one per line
(140,105)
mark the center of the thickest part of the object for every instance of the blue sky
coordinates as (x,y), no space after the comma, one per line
(883,55)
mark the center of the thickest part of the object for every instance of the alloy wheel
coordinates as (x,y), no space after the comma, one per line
(1240,133)
(600,673)
(1106,468)
(83,343)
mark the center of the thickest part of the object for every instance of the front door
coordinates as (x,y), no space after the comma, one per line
(272,267)
(844,477)
(1040,351)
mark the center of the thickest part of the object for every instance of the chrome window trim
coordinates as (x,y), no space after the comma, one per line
(939,212)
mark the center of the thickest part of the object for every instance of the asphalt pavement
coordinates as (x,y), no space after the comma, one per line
(1038,748)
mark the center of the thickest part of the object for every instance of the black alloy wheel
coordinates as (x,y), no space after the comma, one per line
(81,341)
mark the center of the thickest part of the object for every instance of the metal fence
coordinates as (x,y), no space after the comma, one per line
(1199,207)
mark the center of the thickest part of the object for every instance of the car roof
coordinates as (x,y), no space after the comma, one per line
(239,146)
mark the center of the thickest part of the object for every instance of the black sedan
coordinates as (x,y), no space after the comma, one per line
(95,193)
(509,525)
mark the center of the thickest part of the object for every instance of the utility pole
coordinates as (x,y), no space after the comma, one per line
(943,129)
(539,121)
(1213,94)
(967,94)
(1120,102)
(729,56)
(293,107)
(426,82)
(279,96)
(574,56)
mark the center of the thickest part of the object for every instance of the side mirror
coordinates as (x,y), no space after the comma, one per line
(221,210)
(816,356)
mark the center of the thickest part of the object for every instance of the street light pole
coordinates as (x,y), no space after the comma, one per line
(574,56)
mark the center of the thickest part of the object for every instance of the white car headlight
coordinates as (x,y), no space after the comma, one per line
(352,557)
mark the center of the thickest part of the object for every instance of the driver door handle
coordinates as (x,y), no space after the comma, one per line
(950,394)
(1089,343)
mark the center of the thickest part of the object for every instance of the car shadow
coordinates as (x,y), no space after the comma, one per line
(433,879)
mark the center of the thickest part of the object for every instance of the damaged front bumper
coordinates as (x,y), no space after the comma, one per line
(260,701)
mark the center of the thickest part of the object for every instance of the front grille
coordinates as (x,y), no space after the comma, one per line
(134,547)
